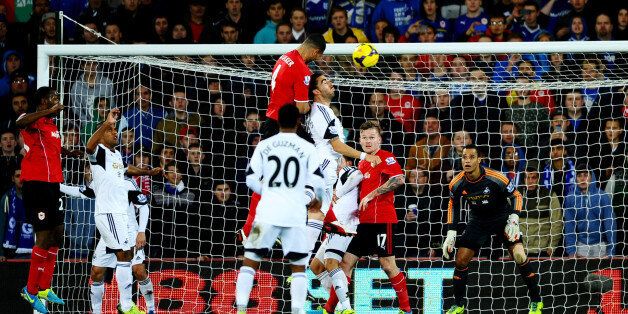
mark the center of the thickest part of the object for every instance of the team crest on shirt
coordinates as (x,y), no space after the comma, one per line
(41,215)
(390,160)
(306,80)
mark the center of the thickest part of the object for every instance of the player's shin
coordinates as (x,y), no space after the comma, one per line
(97,290)
(298,292)
(531,280)
(124,278)
(460,284)
(244,284)
(146,287)
(341,287)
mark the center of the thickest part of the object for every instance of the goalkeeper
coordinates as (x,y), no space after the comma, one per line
(493,203)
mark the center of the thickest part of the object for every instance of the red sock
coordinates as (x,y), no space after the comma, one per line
(399,284)
(330,306)
(248,225)
(45,280)
(330,216)
(38,262)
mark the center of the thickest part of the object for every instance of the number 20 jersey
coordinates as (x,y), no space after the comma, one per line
(285,164)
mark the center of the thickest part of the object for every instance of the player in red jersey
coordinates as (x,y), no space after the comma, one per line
(289,84)
(42,175)
(378,218)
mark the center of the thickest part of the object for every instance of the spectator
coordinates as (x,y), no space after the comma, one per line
(166,131)
(405,108)
(275,12)
(340,29)
(173,206)
(430,16)
(430,151)
(398,13)
(240,18)
(422,206)
(590,226)
(161,29)
(460,139)
(113,32)
(16,234)
(530,117)
(197,174)
(578,30)
(229,33)
(603,27)
(284,33)
(180,34)
(530,27)
(135,21)
(478,111)
(474,22)
(143,116)
(559,173)
(9,160)
(89,86)
(378,35)
(541,218)
(298,19)
(621,32)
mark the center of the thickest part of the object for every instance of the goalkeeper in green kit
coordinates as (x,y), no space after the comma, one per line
(493,204)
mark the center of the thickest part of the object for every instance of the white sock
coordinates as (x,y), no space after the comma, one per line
(146,287)
(341,286)
(314,228)
(298,292)
(124,278)
(325,280)
(244,284)
(97,290)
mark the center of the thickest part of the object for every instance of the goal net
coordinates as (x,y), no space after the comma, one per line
(541,113)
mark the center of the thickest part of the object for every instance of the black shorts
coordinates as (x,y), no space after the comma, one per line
(270,128)
(374,239)
(42,201)
(476,234)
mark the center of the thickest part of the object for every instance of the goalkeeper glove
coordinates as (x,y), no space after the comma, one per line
(512,231)
(450,241)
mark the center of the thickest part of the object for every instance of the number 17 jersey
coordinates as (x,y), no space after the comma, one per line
(285,164)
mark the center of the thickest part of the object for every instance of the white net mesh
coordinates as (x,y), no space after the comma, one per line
(534,115)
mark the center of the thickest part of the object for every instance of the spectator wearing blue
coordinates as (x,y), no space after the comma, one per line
(578,30)
(16,235)
(359,12)
(590,226)
(275,12)
(559,173)
(397,12)
(530,26)
(142,117)
(429,16)
(473,23)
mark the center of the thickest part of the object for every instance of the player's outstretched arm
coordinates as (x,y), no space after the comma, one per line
(28,118)
(390,185)
(348,151)
(110,123)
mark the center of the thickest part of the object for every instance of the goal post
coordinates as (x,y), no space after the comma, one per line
(519,101)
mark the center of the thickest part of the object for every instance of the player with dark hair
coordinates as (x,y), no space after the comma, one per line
(42,175)
(375,234)
(493,203)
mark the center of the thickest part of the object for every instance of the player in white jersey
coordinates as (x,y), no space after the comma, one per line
(111,192)
(326,263)
(103,260)
(279,170)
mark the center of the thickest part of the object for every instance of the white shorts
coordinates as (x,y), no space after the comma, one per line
(263,236)
(114,231)
(334,246)
(103,259)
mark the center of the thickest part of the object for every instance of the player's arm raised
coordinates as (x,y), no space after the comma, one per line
(348,151)
(392,184)
(28,118)
(110,123)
